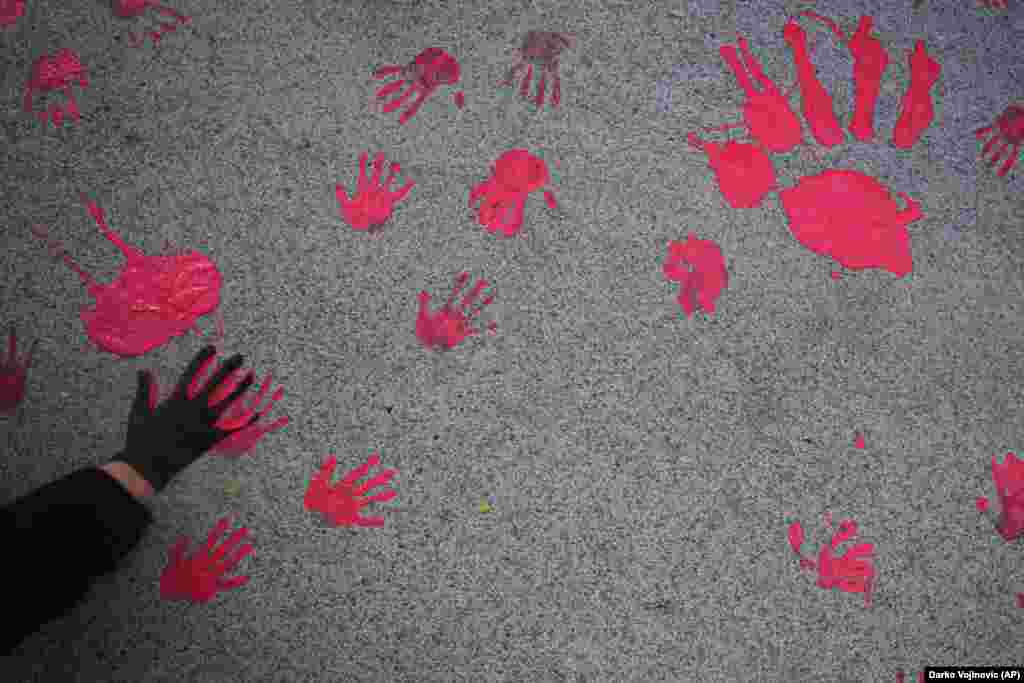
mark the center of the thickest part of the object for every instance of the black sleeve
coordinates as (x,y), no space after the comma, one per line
(56,540)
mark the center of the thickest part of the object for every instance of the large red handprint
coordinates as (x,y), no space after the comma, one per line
(198,578)
(342,502)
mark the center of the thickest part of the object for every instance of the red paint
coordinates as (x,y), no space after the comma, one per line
(850,573)
(1020,599)
(431,69)
(1009,481)
(699,267)
(994,4)
(245,433)
(342,502)
(860,443)
(771,121)
(543,49)
(900,678)
(154,299)
(517,173)
(1008,130)
(852,218)
(982,504)
(869,65)
(198,578)
(817,104)
(11,11)
(58,72)
(744,172)
(916,109)
(372,204)
(13,374)
(835,275)
(128,9)
(448,327)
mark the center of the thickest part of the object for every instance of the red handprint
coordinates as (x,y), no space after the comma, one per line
(744,172)
(1009,480)
(244,421)
(699,268)
(450,325)
(11,11)
(342,502)
(198,578)
(502,197)
(371,205)
(852,572)
(431,69)
(13,373)
(57,72)
(128,9)
(1008,130)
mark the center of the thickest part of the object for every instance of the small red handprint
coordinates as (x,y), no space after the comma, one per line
(10,11)
(342,502)
(850,573)
(13,374)
(447,328)
(198,578)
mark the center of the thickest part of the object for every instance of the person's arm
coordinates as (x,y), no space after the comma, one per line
(62,536)
(58,539)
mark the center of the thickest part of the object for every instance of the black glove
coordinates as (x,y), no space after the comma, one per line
(165,439)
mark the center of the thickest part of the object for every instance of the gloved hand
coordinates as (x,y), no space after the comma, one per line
(165,439)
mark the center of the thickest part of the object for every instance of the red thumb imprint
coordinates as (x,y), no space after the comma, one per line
(817,104)
(916,109)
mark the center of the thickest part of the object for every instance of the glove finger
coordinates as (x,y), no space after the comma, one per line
(235,396)
(198,363)
(143,403)
(223,373)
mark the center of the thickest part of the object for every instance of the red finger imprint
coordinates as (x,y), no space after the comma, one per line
(817,103)
(768,115)
(916,109)
(154,299)
(870,62)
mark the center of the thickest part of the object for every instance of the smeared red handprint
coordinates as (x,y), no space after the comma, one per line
(1008,131)
(342,502)
(371,205)
(916,108)
(198,578)
(448,327)
(130,9)
(543,50)
(699,268)
(771,121)
(59,71)
(13,374)
(154,299)
(1008,478)
(502,197)
(431,69)
(11,11)
(850,573)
